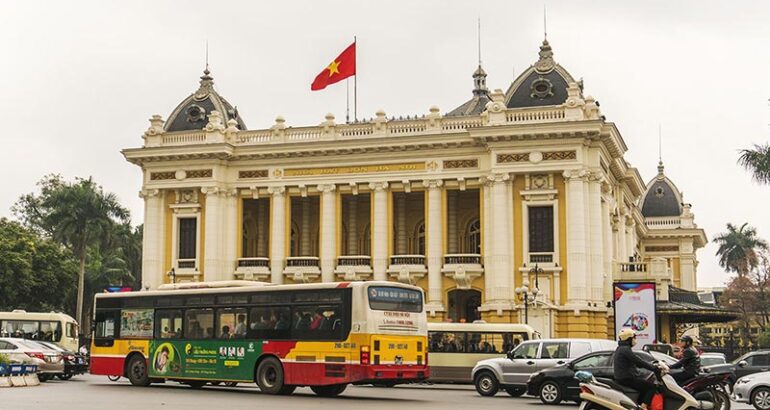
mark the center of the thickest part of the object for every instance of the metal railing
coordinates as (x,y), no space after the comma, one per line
(541,257)
(462,258)
(257,262)
(302,261)
(407,260)
(185,263)
(355,260)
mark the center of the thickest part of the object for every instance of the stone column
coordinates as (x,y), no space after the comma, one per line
(277,233)
(622,249)
(451,210)
(486,235)
(213,258)
(380,230)
(304,235)
(328,231)
(630,236)
(230,232)
(263,222)
(435,242)
(607,254)
(353,225)
(596,237)
(401,236)
(577,258)
(153,238)
(501,238)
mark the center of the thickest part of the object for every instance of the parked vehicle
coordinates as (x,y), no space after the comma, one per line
(709,359)
(49,362)
(512,373)
(753,389)
(606,394)
(455,348)
(752,362)
(74,363)
(50,327)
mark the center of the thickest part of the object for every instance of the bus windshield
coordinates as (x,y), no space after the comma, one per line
(395,299)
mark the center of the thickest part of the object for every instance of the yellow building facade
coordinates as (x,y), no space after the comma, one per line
(516,205)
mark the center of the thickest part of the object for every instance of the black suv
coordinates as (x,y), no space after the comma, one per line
(752,362)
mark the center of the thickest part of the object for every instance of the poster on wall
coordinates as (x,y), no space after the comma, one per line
(635,309)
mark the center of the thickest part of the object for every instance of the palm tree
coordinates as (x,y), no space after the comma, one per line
(78,215)
(740,249)
(757,161)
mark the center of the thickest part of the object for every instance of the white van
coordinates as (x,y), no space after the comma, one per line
(56,327)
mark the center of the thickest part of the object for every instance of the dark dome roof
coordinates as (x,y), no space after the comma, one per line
(477,104)
(192,113)
(544,83)
(662,197)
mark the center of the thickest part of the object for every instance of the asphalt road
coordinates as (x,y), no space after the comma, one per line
(88,392)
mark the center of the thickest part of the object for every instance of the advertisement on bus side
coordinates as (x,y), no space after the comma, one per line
(204,359)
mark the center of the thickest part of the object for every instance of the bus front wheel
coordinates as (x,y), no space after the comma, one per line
(137,371)
(329,391)
(270,377)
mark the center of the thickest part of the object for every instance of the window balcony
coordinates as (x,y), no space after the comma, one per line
(302,269)
(186,264)
(407,268)
(654,269)
(463,268)
(186,270)
(540,257)
(354,267)
(253,268)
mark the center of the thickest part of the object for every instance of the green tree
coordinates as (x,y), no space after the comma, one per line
(740,248)
(36,273)
(78,214)
(757,161)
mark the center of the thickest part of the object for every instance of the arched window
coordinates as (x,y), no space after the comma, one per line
(473,237)
(419,239)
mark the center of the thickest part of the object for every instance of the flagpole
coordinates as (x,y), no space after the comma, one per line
(355,84)
(347,101)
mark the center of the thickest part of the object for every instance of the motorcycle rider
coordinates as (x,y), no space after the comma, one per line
(627,366)
(689,363)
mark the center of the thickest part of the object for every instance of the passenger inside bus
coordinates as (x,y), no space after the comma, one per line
(225,332)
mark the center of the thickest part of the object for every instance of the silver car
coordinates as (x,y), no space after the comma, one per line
(753,389)
(49,362)
(511,373)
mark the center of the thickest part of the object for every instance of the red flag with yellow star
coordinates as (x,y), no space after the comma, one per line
(339,69)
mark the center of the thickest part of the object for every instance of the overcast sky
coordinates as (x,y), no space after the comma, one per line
(78,80)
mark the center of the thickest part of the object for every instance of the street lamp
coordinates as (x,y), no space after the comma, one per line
(172,274)
(525,292)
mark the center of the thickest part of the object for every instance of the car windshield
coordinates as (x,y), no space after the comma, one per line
(711,360)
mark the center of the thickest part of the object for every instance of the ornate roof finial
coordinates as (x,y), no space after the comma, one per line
(480,76)
(660,151)
(546,63)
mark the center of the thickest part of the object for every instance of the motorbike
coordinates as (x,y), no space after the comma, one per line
(711,386)
(606,394)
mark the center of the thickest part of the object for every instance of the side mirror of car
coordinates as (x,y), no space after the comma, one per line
(742,363)
(509,355)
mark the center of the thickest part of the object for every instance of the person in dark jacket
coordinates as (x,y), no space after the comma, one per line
(689,363)
(627,366)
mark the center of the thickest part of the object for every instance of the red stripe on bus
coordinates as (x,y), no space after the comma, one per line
(278,348)
(107,366)
(343,285)
(319,374)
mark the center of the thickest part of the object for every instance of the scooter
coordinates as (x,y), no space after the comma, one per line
(605,394)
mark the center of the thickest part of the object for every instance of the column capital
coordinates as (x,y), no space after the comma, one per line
(596,177)
(326,188)
(581,174)
(498,177)
(149,193)
(432,183)
(276,190)
(378,186)
(213,190)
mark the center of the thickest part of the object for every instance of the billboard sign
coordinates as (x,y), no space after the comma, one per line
(635,309)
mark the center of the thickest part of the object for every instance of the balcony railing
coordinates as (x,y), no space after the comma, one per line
(407,260)
(258,262)
(541,257)
(185,264)
(632,267)
(357,260)
(302,261)
(663,222)
(462,259)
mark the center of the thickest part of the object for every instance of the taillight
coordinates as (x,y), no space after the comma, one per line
(364,354)
(586,390)
(36,355)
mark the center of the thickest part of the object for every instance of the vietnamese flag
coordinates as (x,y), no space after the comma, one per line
(339,69)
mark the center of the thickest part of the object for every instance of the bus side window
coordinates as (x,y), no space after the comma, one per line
(169,324)
(105,329)
(235,321)
(273,322)
(196,323)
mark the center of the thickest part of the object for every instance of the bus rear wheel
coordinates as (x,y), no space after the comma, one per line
(329,391)
(137,371)
(270,377)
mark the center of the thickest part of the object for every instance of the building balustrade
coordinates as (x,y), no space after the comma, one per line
(663,222)
(631,267)
(253,268)
(541,257)
(407,260)
(302,261)
(462,259)
(357,260)
(186,264)
(354,267)
(257,262)
(463,268)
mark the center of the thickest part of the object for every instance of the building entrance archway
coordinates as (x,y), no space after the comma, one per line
(463,305)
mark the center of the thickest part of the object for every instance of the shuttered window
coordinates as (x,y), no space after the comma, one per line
(541,229)
(187,237)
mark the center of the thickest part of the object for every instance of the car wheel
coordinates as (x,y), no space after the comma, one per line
(65,376)
(44,377)
(760,398)
(329,391)
(486,384)
(550,393)
(270,377)
(137,371)
(514,391)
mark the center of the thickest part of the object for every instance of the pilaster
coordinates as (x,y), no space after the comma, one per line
(277,233)
(328,231)
(380,230)
(435,243)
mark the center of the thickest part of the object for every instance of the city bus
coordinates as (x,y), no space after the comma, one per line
(56,327)
(456,347)
(324,336)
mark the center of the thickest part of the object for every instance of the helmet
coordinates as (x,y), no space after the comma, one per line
(626,334)
(686,339)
